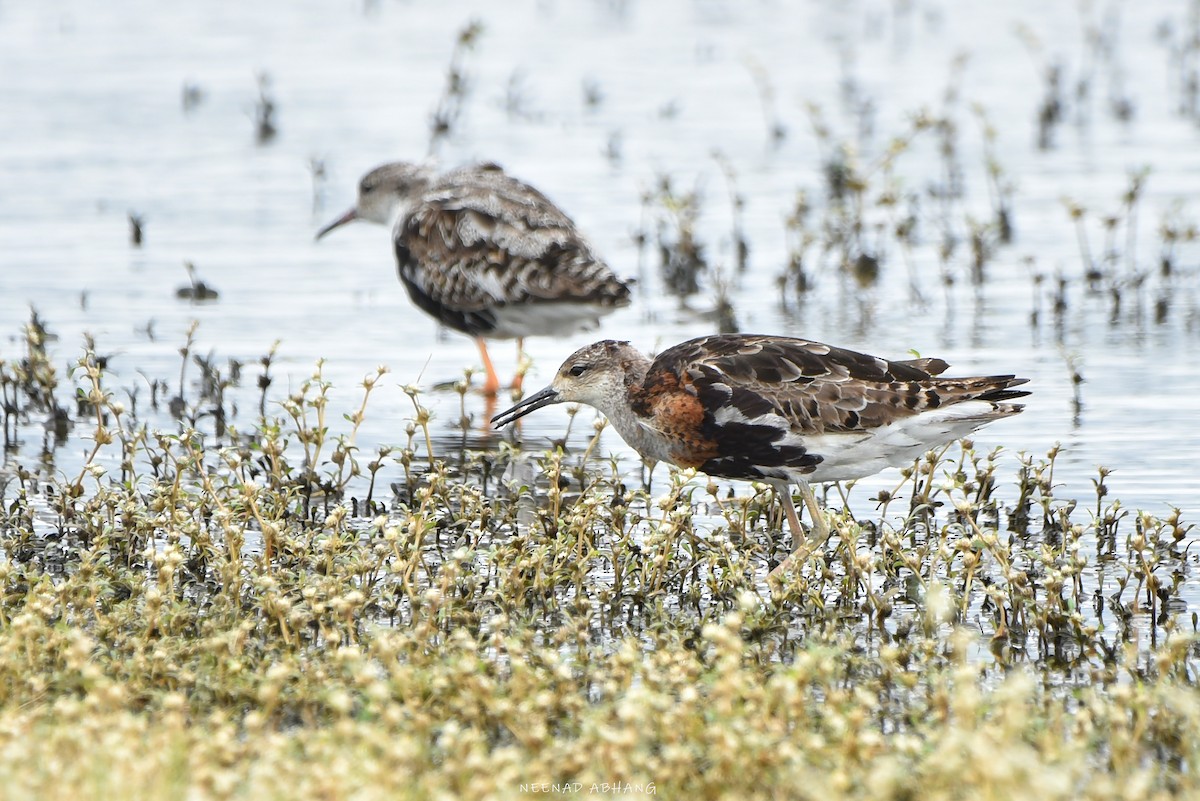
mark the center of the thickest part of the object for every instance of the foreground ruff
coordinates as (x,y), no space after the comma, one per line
(775,409)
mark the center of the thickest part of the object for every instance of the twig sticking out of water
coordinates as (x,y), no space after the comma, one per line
(449,108)
(850,218)
(191,96)
(34,378)
(737,206)
(516,99)
(799,240)
(725,313)
(199,291)
(1074,362)
(135,229)
(1174,230)
(613,147)
(776,130)
(1050,109)
(593,94)
(1076,212)
(1000,188)
(681,255)
(265,378)
(265,127)
(319,175)
(1116,271)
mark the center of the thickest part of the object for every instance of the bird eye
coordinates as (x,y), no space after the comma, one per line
(577,370)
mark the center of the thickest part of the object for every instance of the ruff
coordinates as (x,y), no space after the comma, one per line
(775,409)
(486,254)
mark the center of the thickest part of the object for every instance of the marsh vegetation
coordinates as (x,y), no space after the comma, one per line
(233,605)
(238,560)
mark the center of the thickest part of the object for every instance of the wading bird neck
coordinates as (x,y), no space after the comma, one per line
(619,400)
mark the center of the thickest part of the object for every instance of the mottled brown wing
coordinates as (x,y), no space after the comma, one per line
(816,387)
(490,191)
(480,238)
(928,365)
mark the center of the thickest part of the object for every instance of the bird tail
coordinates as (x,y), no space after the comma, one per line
(995,390)
(998,388)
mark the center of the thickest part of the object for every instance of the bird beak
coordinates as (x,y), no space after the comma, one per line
(349,216)
(545,397)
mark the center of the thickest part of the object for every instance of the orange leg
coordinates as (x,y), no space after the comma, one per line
(520,376)
(491,384)
(489,411)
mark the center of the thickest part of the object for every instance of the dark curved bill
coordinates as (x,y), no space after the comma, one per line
(535,401)
(349,216)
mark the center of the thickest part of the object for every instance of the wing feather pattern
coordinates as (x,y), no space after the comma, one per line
(763,395)
(480,239)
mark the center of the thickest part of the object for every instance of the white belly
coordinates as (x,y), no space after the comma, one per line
(849,455)
(546,319)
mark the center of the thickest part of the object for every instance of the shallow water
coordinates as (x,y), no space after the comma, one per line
(94,128)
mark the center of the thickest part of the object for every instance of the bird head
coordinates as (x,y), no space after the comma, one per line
(597,375)
(385,193)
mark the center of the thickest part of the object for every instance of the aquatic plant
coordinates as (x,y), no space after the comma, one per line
(206,611)
(450,104)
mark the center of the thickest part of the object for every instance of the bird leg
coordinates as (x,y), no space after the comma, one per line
(519,378)
(648,466)
(820,527)
(814,509)
(793,519)
(491,384)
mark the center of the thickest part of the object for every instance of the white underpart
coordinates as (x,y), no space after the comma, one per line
(546,318)
(849,455)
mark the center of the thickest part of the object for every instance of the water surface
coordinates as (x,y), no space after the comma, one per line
(95,127)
